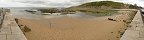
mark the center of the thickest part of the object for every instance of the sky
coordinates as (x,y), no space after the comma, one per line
(57,3)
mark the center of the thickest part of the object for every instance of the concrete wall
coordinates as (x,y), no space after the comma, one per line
(136,29)
(10,29)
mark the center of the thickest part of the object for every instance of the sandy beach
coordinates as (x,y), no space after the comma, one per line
(66,28)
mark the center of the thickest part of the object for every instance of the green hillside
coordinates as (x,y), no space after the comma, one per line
(103,5)
(114,5)
(98,7)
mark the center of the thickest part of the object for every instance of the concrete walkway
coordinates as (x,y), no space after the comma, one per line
(10,29)
(136,31)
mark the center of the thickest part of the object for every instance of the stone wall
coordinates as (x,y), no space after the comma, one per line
(10,29)
(136,29)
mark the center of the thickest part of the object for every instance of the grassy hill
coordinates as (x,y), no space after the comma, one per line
(98,7)
(102,5)
(114,5)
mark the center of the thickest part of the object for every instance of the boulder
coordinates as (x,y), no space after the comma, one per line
(25,28)
(111,19)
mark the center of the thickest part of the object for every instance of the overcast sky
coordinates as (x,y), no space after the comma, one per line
(56,3)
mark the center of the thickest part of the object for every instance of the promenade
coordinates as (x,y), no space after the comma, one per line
(10,29)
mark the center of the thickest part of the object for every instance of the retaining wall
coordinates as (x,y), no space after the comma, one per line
(10,29)
(136,29)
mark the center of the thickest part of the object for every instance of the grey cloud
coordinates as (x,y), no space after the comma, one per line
(59,4)
(141,0)
(48,3)
(34,2)
(79,1)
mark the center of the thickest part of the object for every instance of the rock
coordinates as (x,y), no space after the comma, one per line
(121,33)
(128,25)
(117,37)
(111,32)
(111,19)
(16,20)
(20,25)
(124,20)
(127,21)
(25,28)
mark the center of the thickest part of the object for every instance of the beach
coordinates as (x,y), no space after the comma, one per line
(67,28)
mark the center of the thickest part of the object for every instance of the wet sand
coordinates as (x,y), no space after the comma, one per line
(67,28)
